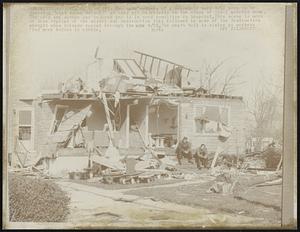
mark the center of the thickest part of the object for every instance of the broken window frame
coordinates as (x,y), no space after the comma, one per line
(54,120)
(203,107)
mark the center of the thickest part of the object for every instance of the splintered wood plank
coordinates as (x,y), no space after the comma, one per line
(107,113)
(167,66)
(151,65)
(158,68)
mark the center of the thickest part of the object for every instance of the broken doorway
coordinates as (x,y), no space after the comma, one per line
(138,124)
(163,123)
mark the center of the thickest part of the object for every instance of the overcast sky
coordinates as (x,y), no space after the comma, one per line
(39,59)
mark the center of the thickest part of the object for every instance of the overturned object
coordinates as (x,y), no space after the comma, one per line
(272,157)
(224,184)
(72,85)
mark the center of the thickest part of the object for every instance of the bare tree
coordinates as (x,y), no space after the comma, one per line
(267,113)
(209,76)
(220,83)
(231,81)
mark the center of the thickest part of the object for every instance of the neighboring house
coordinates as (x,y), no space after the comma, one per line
(258,144)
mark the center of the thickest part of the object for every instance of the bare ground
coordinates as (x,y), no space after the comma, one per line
(254,204)
(163,202)
(93,207)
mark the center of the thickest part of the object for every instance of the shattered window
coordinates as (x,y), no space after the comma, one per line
(207,127)
(208,117)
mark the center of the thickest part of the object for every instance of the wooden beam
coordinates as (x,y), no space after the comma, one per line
(178,122)
(168,61)
(279,164)
(127,125)
(145,62)
(151,65)
(158,67)
(130,67)
(147,125)
(173,72)
(188,74)
(166,71)
(107,113)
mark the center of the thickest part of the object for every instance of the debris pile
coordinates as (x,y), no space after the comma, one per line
(270,158)
(141,169)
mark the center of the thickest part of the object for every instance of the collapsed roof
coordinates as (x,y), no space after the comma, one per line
(150,76)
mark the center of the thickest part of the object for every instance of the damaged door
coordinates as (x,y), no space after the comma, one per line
(138,125)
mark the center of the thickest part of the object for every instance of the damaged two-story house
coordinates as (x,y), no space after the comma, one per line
(141,104)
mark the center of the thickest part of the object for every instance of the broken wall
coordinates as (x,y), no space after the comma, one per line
(44,116)
(234,144)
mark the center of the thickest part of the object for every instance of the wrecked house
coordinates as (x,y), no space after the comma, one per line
(142,104)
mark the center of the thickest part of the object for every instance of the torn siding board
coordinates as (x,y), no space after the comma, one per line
(72,118)
(44,115)
(59,137)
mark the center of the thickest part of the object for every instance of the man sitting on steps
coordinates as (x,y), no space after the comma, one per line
(201,156)
(183,150)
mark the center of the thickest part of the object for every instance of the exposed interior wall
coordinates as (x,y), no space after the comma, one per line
(138,117)
(163,119)
(97,119)
(236,142)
